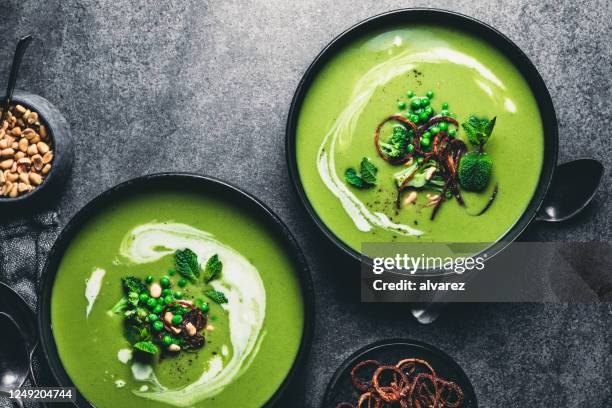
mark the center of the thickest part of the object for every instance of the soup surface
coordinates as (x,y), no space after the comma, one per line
(369,80)
(251,341)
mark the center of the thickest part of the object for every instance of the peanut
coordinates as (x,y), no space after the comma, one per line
(42,147)
(45,170)
(32,150)
(190,329)
(8,152)
(35,178)
(24,178)
(23,187)
(16,131)
(155,290)
(14,191)
(6,164)
(37,161)
(12,177)
(168,317)
(47,157)
(20,109)
(23,145)
(19,155)
(175,348)
(411,198)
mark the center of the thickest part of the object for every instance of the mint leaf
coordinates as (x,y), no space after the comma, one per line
(216,296)
(368,171)
(146,347)
(351,177)
(478,130)
(186,262)
(213,268)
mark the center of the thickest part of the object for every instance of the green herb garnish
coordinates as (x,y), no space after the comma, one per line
(133,284)
(216,296)
(146,347)
(395,146)
(213,268)
(478,130)
(367,177)
(187,265)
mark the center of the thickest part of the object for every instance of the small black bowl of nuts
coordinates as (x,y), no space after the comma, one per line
(36,150)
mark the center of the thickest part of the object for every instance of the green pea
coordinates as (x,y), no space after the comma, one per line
(424,101)
(143,297)
(444,112)
(423,116)
(153,317)
(165,281)
(152,302)
(158,309)
(434,130)
(429,111)
(182,282)
(410,94)
(401,105)
(443,126)
(168,299)
(425,142)
(177,319)
(415,103)
(149,279)
(167,340)
(171,271)
(178,294)
(205,308)
(157,325)
(430,94)
(452,133)
(445,105)
(166,292)
(427,135)
(414,118)
(410,148)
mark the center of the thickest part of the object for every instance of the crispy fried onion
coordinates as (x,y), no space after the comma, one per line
(446,152)
(411,383)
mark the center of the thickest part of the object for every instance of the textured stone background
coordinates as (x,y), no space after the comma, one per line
(152,86)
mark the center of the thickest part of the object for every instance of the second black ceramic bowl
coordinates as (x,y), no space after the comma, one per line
(446,19)
(63,151)
(192,183)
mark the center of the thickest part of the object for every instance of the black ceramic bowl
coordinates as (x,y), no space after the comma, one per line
(447,19)
(189,182)
(60,135)
(341,389)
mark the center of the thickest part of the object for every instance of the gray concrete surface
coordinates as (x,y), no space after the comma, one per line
(152,86)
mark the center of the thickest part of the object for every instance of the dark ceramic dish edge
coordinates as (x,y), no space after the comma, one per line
(390,342)
(450,19)
(47,342)
(61,139)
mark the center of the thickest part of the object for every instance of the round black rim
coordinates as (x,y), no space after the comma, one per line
(351,360)
(465,23)
(47,341)
(62,151)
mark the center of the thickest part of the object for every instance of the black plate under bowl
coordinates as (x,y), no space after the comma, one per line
(444,18)
(340,387)
(62,144)
(191,183)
